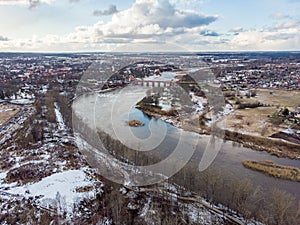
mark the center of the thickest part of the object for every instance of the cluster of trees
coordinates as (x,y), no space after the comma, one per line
(150,100)
(45,116)
(161,208)
(240,197)
(8,89)
(284,116)
(244,105)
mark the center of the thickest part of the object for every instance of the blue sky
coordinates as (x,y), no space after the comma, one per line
(192,25)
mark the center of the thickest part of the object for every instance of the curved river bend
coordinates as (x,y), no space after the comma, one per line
(96,111)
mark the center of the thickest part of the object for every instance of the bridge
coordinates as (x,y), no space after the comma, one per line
(154,83)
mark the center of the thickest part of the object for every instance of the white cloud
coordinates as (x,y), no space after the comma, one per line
(187,4)
(153,18)
(279,16)
(287,25)
(281,36)
(236,29)
(144,21)
(29,3)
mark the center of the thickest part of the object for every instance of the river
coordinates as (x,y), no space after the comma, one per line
(109,112)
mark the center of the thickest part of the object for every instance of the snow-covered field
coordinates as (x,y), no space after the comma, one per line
(59,190)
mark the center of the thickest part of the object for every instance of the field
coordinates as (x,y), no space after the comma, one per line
(282,98)
(254,127)
(7,112)
(256,121)
(251,121)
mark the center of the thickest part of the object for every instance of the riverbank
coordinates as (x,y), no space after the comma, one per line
(276,147)
(174,118)
(279,148)
(156,111)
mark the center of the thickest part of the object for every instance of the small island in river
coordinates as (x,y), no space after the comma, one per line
(135,123)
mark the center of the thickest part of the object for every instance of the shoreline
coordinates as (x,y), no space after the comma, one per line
(276,147)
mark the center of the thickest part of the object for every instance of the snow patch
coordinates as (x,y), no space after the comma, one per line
(58,190)
(22,101)
(59,118)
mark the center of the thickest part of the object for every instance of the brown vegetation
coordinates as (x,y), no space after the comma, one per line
(270,168)
(156,111)
(84,189)
(7,112)
(274,147)
(28,173)
(135,123)
(243,197)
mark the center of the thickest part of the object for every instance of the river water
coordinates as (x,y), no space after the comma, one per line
(109,112)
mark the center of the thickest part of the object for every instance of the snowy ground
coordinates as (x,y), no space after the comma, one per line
(49,174)
(22,98)
(60,190)
(7,111)
(291,131)
(14,124)
(178,205)
(164,76)
(22,101)
(59,118)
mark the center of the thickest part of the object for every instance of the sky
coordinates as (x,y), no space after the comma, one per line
(149,25)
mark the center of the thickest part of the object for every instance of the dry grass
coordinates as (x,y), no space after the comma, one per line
(275,170)
(7,115)
(275,147)
(253,127)
(283,98)
(251,121)
(84,189)
(256,121)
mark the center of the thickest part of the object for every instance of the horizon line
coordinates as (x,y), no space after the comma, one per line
(141,52)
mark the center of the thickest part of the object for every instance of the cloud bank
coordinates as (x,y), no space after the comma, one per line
(159,22)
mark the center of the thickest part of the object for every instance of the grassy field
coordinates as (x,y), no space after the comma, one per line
(275,170)
(251,121)
(283,98)
(254,126)
(256,121)
(7,112)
